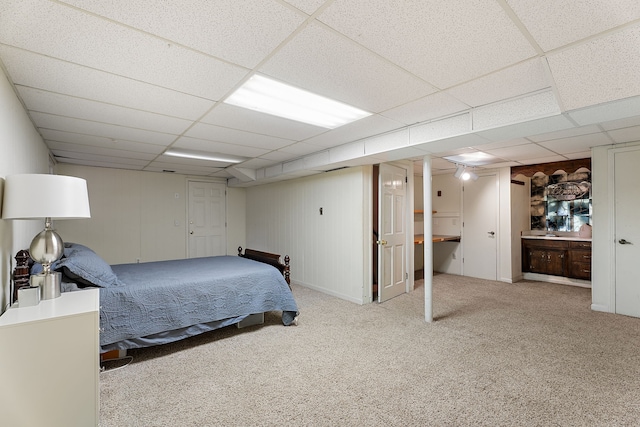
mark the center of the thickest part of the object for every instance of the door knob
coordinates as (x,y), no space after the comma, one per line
(191,232)
(624,242)
(491,233)
(381,242)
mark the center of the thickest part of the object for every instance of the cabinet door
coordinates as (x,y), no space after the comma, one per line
(556,262)
(537,260)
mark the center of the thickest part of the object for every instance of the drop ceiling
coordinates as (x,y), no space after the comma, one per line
(116,84)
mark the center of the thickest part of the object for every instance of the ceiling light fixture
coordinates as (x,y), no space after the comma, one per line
(203,155)
(464,174)
(271,97)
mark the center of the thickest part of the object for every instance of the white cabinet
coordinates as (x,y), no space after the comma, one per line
(49,362)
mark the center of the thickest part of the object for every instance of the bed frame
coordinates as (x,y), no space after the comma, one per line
(24,262)
(269,258)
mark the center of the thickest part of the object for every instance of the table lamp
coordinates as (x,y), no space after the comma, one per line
(30,196)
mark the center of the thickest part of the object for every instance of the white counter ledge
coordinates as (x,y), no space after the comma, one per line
(543,237)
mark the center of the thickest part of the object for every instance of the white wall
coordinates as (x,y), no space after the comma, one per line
(134,215)
(21,151)
(329,252)
(447,256)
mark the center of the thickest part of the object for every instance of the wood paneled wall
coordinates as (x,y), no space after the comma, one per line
(327,249)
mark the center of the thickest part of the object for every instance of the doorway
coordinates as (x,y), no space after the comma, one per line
(480,205)
(207,219)
(390,249)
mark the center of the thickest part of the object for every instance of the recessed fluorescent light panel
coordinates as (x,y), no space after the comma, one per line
(477,158)
(203,155)
(269,96)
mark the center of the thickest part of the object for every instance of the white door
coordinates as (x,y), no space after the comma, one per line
(207,219)
(392,219)
(627,232)
(479,227)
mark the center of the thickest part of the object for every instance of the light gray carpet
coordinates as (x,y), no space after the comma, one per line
(498,354)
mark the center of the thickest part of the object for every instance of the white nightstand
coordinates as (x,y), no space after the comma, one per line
(49,362)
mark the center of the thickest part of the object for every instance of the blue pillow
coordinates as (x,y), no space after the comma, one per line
(81,264)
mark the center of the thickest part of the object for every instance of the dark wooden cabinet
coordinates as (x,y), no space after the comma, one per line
(580,260)
(557,257)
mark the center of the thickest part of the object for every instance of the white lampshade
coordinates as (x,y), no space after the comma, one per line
(28,196)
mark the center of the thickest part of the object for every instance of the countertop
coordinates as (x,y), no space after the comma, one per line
(543,237)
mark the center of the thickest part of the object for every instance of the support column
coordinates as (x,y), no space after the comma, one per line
(428,240)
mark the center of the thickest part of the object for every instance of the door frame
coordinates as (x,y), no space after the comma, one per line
(187,207)
(409,209)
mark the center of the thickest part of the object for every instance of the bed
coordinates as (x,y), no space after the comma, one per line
(153,303)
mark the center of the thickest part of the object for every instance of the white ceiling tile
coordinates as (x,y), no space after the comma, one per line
(622,123)
(520,79)
(257,163)
(234,136)
(630,134)
(502,144)
(609,111)
(323,62)
(65,124)
(532,127)
(300,149)
(104,151)
(372,125)
(82,82)
(186,169)
(566,133)
(218,147)
(307,6)
(579,155)
(521,152)
(440,163)
(541,104)
(537,160)
(576,144)
(598,71)
(173,160)
(430,107)
(439,129)
(62,105)
(279,156)
(555,23)
(67,33)
(51,136)
(455,143)
(239,31)
(65,156)
(99,164)
(253,121)
(445,43)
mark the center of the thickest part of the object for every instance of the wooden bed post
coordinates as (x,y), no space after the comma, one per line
(287,270)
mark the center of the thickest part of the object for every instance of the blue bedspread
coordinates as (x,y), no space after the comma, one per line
(156,297)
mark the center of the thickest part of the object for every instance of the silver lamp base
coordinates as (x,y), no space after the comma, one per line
(49,284)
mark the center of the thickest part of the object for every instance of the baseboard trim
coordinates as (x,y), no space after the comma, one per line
(557,279)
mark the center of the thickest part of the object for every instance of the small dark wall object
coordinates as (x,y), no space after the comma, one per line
(21,272)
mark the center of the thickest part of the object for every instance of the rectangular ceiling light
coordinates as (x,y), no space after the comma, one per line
(269,96)
(203,155)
